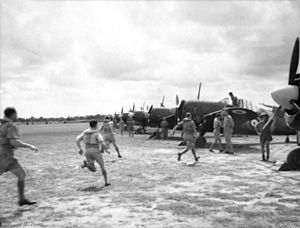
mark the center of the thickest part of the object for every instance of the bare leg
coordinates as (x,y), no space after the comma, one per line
(182,152)
(268,149)
(194,153)
(117,149)
(220,145)
(100,161)
(263,151)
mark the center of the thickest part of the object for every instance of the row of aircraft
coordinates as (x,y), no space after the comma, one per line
(204,112)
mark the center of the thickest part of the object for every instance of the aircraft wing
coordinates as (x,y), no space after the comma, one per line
(245,120)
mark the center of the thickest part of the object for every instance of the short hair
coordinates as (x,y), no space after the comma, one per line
(188,115)
(8,112)
(93,123)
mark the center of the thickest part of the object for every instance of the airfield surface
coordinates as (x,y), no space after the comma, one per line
(149,187)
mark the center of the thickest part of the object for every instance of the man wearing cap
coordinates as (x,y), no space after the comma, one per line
(265,135)
(9,141)
(108,134)
(228,126)
(189,135)
(93,145)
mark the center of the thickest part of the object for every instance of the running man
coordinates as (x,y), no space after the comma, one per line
(9,141)
(217,132)
(189,135)
(108,134)
(93,144)
(264,135)
(130,126)
(228,125)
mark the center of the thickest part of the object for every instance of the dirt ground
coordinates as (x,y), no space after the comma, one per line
(149,187)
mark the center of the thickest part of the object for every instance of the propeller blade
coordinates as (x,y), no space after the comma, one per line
(133,107)
(294,63)
(199,90)
(177,100)
(271,119)
(122,110)
(150,110)
(162,102)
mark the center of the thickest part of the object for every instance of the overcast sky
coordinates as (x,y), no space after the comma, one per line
(61,58)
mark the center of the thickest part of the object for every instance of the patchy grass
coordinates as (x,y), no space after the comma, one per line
(149,187)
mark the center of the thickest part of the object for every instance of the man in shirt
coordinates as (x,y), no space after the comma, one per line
(93,141)
(189,135)
(228,126)
(9,141)
(108,134)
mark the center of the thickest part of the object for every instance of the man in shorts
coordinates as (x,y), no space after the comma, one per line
(265,135)
(217,132)
(130,126)
(189,135)
(164,128)
(121,124)
(93,141)
(228,126)
(108,134)
(9,141)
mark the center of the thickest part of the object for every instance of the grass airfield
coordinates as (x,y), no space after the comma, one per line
(149,187)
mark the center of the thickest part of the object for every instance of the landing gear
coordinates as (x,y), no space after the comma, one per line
(200,142)
(287,139)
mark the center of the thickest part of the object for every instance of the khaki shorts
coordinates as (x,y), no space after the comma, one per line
(9,163)
(109,138)
(190,141)
(91,157)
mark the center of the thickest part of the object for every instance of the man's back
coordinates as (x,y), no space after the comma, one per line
(189,126)
(7,131)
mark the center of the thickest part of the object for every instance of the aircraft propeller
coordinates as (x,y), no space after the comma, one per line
(288,97)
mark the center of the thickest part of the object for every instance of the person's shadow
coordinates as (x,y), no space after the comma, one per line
(91,189)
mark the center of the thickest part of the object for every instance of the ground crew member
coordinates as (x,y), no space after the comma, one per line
(264,135)
(130,126)
(228,126)
(121,125)
(217,132)
(189,135)
(108,134)
(9,141)
(164,128)
(93,144)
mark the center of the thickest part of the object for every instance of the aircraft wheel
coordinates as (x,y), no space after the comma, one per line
(200,142)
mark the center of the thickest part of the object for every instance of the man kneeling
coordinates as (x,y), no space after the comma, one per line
(93,142)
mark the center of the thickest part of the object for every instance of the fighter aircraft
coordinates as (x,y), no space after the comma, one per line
(204,112)
(288,98)
(156,114)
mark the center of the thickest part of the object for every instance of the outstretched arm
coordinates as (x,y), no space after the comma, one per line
(174,129)
(17,143)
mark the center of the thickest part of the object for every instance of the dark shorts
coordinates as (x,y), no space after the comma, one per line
(190,140)
(9,163)
(109,138)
